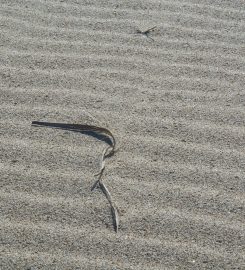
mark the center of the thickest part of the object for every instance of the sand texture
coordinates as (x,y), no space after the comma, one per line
(174,100)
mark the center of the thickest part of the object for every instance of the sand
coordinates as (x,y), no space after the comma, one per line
(175,102)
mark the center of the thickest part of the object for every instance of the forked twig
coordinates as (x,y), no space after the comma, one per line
(146,32)
(107,152)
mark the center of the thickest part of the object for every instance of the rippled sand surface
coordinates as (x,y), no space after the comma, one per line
(175,102)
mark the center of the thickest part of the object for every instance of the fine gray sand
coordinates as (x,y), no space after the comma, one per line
(176,106)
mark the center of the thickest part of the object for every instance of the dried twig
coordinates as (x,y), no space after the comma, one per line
(107,152)
(147,32)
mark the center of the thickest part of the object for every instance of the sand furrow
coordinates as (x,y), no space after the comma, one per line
(224,212)
(80,61)
(62,182)
(46,187)
(220,50)
(231,116)
(172,171)
(190,133)
(103,72)
(181,53)
(17,76)
(113,16)
(58,256)
(21,259)
(169,93)
(168,96)
(228,5)
(35,30)
(186,9)
(13,257)
(69,233)
(169,218)
(162,148)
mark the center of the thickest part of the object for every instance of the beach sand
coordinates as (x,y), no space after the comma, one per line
(175,102)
